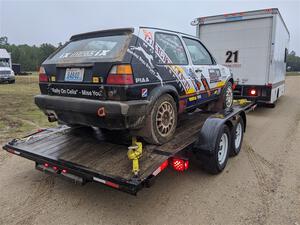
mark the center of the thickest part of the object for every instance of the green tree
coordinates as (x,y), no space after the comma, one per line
(293,62)
(30,57)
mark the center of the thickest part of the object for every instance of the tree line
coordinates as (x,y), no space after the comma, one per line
(31,57)
(293,62)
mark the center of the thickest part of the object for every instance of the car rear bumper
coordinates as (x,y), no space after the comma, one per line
(117,114)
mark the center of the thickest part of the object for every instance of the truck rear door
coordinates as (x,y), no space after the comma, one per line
(242,45)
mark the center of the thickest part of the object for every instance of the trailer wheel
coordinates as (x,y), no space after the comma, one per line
(215,162)
(237,135)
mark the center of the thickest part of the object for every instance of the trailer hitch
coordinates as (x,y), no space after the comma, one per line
(134,153)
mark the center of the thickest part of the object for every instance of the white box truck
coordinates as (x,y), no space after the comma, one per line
(254,44)
(6,72)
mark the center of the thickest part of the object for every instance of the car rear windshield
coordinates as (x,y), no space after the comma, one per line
(107,48)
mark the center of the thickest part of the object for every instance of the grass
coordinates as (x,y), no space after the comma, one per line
(19,115)
(293,73)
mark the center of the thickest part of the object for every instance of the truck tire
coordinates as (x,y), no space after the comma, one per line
(162,121)
(215,162)
(237,135)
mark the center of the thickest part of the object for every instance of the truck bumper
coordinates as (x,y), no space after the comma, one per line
(7,79)
(114,114)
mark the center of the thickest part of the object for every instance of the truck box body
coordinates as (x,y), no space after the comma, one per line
(254,45)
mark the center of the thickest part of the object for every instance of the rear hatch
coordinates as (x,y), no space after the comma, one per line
(80,67)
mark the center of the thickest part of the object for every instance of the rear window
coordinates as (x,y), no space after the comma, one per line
(93,49)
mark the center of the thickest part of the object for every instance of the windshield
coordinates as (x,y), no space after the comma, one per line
(93,49)
(4,63)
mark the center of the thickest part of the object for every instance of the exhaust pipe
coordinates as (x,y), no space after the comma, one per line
(52,118)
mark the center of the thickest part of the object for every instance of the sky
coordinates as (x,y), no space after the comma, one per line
(46,21)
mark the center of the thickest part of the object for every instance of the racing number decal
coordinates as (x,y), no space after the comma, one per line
(230,55)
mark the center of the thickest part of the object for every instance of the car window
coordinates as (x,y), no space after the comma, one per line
(169,49)
(199,55)
(106,47)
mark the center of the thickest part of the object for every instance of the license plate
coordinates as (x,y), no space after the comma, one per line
(74,75)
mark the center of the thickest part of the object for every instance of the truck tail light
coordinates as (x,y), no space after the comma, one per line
(120,74)
(180,164)
(42,75)
(252,92)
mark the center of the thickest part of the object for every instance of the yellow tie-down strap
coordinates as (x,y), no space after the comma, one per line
(241,101)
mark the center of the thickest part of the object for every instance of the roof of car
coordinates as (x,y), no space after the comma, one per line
(172,31)
(120,31)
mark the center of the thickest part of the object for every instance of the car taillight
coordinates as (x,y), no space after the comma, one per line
(42,75)
(120,74)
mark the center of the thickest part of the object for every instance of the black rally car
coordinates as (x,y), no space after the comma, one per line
(131,79)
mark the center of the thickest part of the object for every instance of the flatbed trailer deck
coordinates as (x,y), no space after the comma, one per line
(83,155)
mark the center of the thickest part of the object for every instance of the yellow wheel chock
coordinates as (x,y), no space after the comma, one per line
(134,153)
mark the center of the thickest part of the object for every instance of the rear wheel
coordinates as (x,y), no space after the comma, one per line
(216,161)
(162,121)
(237,136)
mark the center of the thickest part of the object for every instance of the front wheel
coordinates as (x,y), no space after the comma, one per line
(227,96)
(162,121)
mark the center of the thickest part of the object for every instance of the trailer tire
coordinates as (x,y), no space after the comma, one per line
(237,135)
(215,162)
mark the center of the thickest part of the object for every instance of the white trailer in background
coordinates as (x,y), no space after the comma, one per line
(254,44)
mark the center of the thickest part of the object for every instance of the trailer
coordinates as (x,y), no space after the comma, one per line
(254,44)
(82,154)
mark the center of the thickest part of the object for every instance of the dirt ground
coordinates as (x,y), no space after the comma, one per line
(260,186)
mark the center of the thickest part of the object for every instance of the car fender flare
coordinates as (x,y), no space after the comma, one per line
(159,91)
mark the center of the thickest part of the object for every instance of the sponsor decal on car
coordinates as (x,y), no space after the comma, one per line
(91,53)
(144,92)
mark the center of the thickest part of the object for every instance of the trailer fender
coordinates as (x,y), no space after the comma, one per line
(209,132)
(208,135)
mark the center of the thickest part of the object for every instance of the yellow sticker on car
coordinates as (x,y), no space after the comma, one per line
(220,84)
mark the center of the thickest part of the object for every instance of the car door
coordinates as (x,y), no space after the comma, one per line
(172,63)
(205,71)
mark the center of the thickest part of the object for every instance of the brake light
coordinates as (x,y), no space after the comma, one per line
(180,164)
(120,74)
(252,92)
(42,75)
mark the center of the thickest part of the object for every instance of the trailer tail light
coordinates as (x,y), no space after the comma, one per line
(46,165)
(252,92)
(64,171)
(120,75)
(180,164)
(55,168)
(42,75)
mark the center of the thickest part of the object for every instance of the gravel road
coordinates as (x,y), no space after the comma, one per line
(260,186)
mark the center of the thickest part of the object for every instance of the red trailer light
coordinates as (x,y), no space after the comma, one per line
(164,165)
(64,171)
(55,168)
(180,164)
(46,165)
